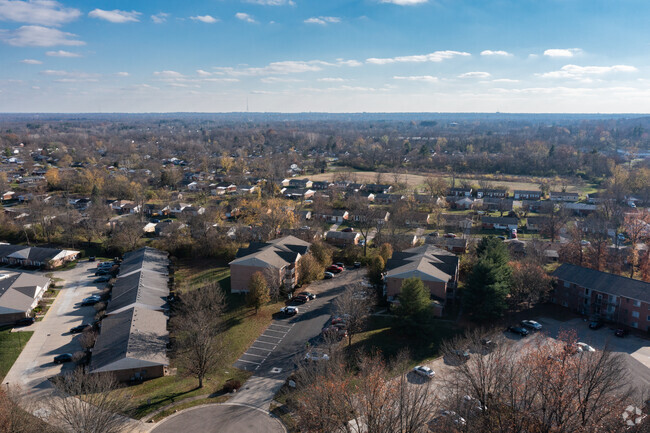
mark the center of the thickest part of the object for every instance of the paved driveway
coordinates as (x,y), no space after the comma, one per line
(221,418)
(51,335)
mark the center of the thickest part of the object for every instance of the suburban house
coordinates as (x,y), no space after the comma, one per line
(379,188)
(48,258)
(417,219)
(125,207)
(382,198)
(534,224)
(133,340)
(320,185)
(9,195)
(581,209)
(564,196)
(492,193)
(533,205)
(497,204)
(277,258)
(222,188)
(342,239)
(298,193)
(19,295)
(335,216)
(177,208)
(154,210)
(500,223)
(437,268)
(460,192)
(527,195)
(382,217)
(465,203)
(453,245)
(612,297)
(300,183)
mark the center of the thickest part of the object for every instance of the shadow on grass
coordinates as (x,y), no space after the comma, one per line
(158,402)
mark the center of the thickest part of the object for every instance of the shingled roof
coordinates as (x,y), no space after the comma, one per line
(274,254)
(604,282)
(18,291)
(429,263)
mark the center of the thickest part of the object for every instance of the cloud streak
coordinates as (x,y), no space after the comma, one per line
(436,57)
(497,53)
(562,52)
(420,78)
(62,53)
(38,36)
(208,19)
(582,72)
(115,16)
(43,12)
(323,21)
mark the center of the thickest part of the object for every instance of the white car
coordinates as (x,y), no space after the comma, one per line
(289,311)
(424,371)
(316,356)
(584,347)
(531,324)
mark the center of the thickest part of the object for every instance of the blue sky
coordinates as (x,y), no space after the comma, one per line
(325,55)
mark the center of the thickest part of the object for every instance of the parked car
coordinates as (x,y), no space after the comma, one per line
(80,328)
(289,311)
(450,235)
(309,295)
(339,319)
(620,332)
(102,271)
(335,331)
(357,265)
(91,258)
(461,354)
(434,234)
(518,330)
(328,275)
(531,324)
(595,324)
(301,299)
(424,371)
(91,300)
(584,347)
(362,243)
(334,269)
(25,321)
(348,230)
(64,357)
(340,265)
(102,279)
(315,355)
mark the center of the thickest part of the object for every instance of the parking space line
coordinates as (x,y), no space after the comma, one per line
(262,348)
(268,336)
(252,354)
(282,334)
(250,362)
(281,326)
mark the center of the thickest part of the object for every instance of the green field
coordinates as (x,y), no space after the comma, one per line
(11,344)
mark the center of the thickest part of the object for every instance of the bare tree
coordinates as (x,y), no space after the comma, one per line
(354,305)
(15,416)
(636,227)
(553,222)
(197,324)
(87,403)
(127,234)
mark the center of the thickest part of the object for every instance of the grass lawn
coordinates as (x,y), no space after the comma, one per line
(11,344)
(384,336)
(241,327)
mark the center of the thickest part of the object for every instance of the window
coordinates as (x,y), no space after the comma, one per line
(612,299)
(635,325)
(648,319)
(586,292)
(637,303)
(635,314)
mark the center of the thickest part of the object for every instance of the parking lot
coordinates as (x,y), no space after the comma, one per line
(52,335)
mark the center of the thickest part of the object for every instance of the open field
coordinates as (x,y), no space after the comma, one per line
(417,180)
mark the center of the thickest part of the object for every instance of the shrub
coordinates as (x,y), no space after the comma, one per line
(231,385)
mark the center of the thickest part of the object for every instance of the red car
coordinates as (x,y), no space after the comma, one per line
(335,269)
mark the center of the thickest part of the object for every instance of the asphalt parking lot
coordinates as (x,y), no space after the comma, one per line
(52,335)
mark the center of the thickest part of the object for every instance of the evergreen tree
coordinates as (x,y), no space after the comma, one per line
(414,299)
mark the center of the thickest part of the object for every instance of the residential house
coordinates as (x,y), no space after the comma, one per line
(379,188)
(320,185)
(460,192)
(278,260)
(336,216)
(533,205)
(300,183)
(298,193)
(178,208)
(223,188)
(500,223)
(342,239)
(466,203)
(534,224)
(581,209)
(19,295)
(125,206)
(564,196)
(453,245)
(9,195)
(382,217)
(387,199)
(437,268)
(48,258)
(497,204)
(615,298)
(492,193)
(527,195)
(156,210)
(418,219)
(247,189)
(193,211)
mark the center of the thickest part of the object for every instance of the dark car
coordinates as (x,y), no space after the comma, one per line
(461,354)
(80,328)
(357,265)
(91,258)
(102,279)
(595,324)
(102,271)
(518,330)
(334,269)
(328,275)
(310,295)
(348,230)
(301,299)
(64,357)
(91,300)
(25,321)
(340,265)
(620,332)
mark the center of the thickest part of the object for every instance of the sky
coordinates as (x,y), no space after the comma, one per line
(516,56)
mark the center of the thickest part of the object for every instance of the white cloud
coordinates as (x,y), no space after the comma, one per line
(44,12)
(70,77)
(351,63)
(208,19)
(331,80)
(203,73)
(437,56)
(245,17)
(505,80)
(322,20)
(168,74)
(122,74)
(62,53)
(497,53)
(220,80)
(31,62)
(278,68)
(584,72)
(421,78)
(562,52)
(160,18)
(271,2)
(115,16)
(270,80)
(476,74)
(38,36)
(405,2)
